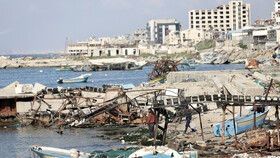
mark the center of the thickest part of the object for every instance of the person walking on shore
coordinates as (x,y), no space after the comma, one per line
(151,122)
(188,120)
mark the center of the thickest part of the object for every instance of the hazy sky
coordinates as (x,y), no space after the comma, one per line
(37,25)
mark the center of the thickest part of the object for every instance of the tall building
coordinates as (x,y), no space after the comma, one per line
(233,16)
(158,30)
(276,12)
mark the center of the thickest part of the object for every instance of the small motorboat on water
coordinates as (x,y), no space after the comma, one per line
(50,152)
(82,78)
(155,152)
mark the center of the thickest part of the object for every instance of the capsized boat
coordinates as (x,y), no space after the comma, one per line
(50,152)
(242,123)
(82,78)
(155,152)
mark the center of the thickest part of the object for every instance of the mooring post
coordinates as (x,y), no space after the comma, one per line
(156,128)
(233,117)
(224,118)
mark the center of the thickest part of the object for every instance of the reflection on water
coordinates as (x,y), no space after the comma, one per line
(15,142)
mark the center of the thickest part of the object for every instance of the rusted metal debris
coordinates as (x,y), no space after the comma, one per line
(162,67)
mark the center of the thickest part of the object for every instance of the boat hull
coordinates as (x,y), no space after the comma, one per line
(161,152)
(79,79)
(242,124)
(49,152)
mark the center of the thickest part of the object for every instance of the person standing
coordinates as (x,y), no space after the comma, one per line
(151,122)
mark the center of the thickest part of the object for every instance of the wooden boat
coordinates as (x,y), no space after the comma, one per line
(155,152)
(50,152)
(159,79)
(242,123)
(82,78)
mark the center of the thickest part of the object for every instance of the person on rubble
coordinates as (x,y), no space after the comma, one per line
(151,122)
(188,120)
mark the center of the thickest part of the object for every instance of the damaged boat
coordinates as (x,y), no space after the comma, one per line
(50,152)
(242,123)
(154,152)
(82,78)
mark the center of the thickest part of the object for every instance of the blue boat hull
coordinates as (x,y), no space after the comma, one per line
(242,124)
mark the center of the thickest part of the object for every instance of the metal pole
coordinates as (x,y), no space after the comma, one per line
(156,128)
(165,130)
(255,120)
(233,112)
(200,121)
(224,118)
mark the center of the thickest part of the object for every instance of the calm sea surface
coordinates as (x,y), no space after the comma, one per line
(15,142)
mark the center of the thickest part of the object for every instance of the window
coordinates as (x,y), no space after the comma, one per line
(109,52)
(197,17)
(209,17)
(209,13)
(117,52)
(191,17)
(134,51)
(203,17)
(209,22)
(203,22)
(227,17)
(126,52)
(203,26)
(227,8)
(197,22)
(215,17)
(222,25)
(100,53)
(192,26)
(197,26)
(221,12)
(198,35)
(215,12)
(197,13)
(203,13)
(191,13)
(227,21)
(227,25)
(221,17)
(215,21)
(191,22)
(227,12)
(222,21)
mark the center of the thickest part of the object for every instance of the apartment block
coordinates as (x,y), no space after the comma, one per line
(233,16)
(158,30)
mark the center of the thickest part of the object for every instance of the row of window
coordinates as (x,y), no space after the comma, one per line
(214,26)
(216,21)
(215,12)
(216,17)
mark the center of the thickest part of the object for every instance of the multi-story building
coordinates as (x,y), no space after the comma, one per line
(158,30)
(275,13)
(191,37)
(233,16)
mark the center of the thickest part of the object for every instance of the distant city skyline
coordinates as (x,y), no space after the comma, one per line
(32,25)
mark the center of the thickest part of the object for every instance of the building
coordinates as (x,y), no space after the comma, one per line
(190,37)
(158,30)
(173,38)
(276,13)
(117,46)
(233,16)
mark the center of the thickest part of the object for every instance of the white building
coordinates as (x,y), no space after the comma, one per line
(276,13)
(158,30)
(190,37)
(102,47)
(233,16)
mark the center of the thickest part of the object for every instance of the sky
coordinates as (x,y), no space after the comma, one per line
(42,25)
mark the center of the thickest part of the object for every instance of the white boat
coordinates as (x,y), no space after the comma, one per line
(155,152)
(50,152)
(82,78)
